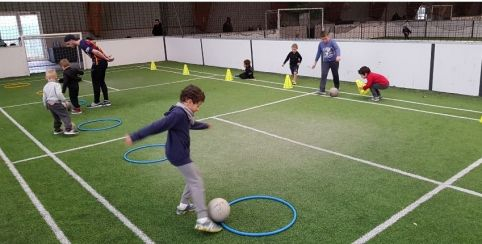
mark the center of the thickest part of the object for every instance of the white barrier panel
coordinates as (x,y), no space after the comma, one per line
(404,64)
(269,55)
(130,50)
(184,50)
(13,62)
(226,53)
(457,68)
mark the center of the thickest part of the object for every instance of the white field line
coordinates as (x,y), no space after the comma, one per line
(373,164)
(392,220)
(355,94)
(244,83)
(110,87)
(83,183)
(240,111)
(120,138)
(36,202)
(41,78)
(342,98)
(119,90)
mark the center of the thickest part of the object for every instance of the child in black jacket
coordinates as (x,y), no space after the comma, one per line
(248,71)
(71,80)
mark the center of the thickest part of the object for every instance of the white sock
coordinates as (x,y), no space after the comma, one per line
(182,206)
(202,220)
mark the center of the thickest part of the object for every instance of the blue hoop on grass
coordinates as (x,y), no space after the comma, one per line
(82,102)
(80,126)
(260,234)
(126,158)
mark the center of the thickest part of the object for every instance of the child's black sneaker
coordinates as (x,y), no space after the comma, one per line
(58,132)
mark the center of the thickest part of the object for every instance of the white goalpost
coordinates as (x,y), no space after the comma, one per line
(44,51)
(300,22)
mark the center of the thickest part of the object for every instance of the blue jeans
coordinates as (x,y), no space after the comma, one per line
(375,89)
(325,67)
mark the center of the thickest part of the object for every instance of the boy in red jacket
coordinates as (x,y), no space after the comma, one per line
(375,82)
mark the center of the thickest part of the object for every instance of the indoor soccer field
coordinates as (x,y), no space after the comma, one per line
(406,169)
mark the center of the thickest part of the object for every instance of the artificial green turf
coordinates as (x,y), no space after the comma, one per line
(338,199)
(450,217)
(80,216)
(20,221)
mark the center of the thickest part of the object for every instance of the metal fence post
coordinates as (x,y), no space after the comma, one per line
(361,31)
(426,23)
(472,34)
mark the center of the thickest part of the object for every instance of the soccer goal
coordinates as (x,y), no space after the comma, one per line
(44,51)
(300,22)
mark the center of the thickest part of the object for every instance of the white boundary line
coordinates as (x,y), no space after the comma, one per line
(355,94)
(83,183)
(120,138)
(392,220)
(263,105)
(398,171)
(120,90)
(341,98)
(110,87)
(36,202)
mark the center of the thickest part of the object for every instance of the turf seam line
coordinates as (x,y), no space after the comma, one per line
(355,94)
(392,220)
(398,171)
(83,183)
(35,201)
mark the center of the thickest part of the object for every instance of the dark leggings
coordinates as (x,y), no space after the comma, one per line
(98,80)
(325,67)
(375,89)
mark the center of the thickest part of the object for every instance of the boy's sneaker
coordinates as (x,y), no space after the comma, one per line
(375,99)
(58,132)
(293,82)
(189,208)
(95,105)
(106,103)
(76,111)
(71,132)
(208,226)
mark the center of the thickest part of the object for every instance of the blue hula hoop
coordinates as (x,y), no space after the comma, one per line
(80,126)
(260,234)
(82,102)
(126,158)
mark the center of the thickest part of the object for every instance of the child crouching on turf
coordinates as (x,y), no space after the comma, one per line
(71,80)
(248,71)
(375,82)
(177,121)
(54,101)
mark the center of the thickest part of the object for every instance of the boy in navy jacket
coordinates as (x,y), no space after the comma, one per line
(178,121)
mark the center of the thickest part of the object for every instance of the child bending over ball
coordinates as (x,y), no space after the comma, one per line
(55,102)
(177,122)
(71,80)
(375,82)
(248,71)
(295,59)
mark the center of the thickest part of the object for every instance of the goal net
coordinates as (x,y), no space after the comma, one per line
(44,51)
(300,22)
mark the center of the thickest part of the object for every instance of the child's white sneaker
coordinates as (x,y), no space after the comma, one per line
(207,225)
(180,210)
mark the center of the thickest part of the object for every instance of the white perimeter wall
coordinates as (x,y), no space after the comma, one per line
(131,50)
(226,53)
(185,50)
(457,68)
(13,62)
(404,64)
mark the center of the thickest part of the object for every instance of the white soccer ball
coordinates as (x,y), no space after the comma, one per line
(218,209)
(333,92)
